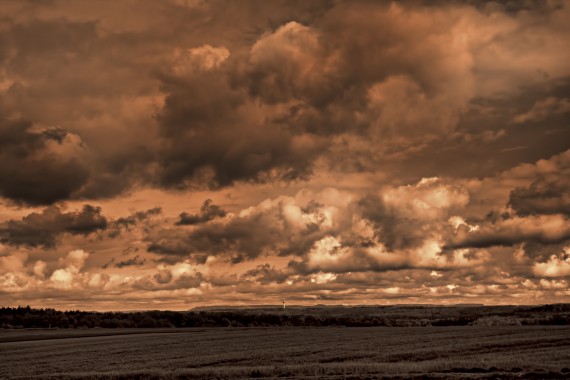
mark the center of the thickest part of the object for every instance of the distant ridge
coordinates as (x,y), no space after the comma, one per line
(469,305)
(254,307)
(321,306)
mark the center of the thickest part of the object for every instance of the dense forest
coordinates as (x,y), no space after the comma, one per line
(27,317)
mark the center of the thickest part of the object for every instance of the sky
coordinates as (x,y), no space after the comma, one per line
(183,153)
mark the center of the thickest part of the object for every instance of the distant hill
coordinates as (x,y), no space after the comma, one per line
(262,307)
(327,307)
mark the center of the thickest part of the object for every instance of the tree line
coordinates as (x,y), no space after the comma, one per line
(27,317)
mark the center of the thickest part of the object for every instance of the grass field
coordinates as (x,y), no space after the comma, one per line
(335,353)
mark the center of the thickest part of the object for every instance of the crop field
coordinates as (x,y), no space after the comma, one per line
(468,352)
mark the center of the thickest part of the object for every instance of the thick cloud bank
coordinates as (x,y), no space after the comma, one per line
(182,153)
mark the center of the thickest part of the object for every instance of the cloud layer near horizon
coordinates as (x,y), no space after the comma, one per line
(189,153)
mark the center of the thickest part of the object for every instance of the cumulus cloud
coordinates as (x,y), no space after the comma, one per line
(406,216)
(430,198)
(14,262)
(554,267)
(398,106)
(74,259)
(287,64)
(328,255)
(181,275)
(39,268)
(402,227)
(65,277)
(205,57)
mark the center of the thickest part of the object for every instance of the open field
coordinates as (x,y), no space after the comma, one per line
(291,352)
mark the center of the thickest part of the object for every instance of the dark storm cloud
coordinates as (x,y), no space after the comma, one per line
(358,261)
(39,37)
(240,239)
(301,242)
(266,274)
(535,230)
(298,86)
(137,217)
(510,6)
(255,100)
(47,65)
(543,196)
(536,214)
(482,144)
(219,137)
(540,253)
(208,211)
(263,229)
(549,193)
(30,172)
(136,261)
(43,229)
(394,231)
(126,223)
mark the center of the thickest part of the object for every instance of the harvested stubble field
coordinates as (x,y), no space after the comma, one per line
(289,352)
